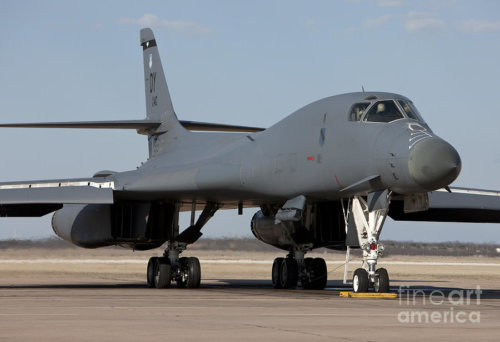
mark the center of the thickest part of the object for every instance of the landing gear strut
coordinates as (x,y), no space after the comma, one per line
(367,219)
(288,272)
(186,271)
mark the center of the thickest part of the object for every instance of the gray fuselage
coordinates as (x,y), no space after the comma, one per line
(316,151)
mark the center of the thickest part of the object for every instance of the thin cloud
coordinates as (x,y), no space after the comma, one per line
(417,21)
(479,26)
(310,23)
(376,22)
(436,5)
(380,3)
(390,3)
(180,26)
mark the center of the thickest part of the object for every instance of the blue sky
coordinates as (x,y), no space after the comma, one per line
(246,63)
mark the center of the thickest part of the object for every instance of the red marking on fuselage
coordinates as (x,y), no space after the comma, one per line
(338,182)
(310,158)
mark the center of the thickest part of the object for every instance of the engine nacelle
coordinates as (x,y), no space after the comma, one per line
(84,225)
(276,233)
(131,225)
(325,228)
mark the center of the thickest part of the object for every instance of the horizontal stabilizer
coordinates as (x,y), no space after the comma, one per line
(142,126)
(214,127)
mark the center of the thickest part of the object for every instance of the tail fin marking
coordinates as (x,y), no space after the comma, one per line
(158,102)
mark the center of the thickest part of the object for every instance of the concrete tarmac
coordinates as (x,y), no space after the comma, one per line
(101,295)
(90,308)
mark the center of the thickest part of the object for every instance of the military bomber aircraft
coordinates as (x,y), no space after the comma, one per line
(327,175)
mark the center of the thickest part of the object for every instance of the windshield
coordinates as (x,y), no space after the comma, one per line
(410,110)
(357,111)
(383,111)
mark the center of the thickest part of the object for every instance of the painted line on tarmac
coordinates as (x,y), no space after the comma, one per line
(237,261)
(425,263)
(432,263)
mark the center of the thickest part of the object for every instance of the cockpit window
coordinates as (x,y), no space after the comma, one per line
(357,111)
(383,111)
(410,110)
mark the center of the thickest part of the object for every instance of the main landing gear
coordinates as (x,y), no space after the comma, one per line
(185,271)
(288,272)
(367,219)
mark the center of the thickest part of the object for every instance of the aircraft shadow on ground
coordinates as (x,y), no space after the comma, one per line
(333,287)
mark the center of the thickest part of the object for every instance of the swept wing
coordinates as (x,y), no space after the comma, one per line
(38,198)
(459,205)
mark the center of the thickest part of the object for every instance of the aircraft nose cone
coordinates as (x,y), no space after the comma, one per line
(434,163)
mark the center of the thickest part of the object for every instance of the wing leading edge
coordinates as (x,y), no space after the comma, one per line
(40,198)
(461,205)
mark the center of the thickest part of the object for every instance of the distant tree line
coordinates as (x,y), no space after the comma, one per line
(251,244)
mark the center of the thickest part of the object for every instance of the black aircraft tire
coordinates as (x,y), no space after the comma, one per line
(194,273)
(276,272)
(360,280)
(319,273)
(382,281)
(190,273)
(163,273)
(181,281)
(150,275)
(289,273)
(307,277)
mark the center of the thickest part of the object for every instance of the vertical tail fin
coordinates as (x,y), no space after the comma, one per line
(158,102)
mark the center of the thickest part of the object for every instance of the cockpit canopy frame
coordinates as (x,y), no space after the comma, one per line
(383,111)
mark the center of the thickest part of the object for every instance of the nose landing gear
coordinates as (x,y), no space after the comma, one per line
(367,217)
